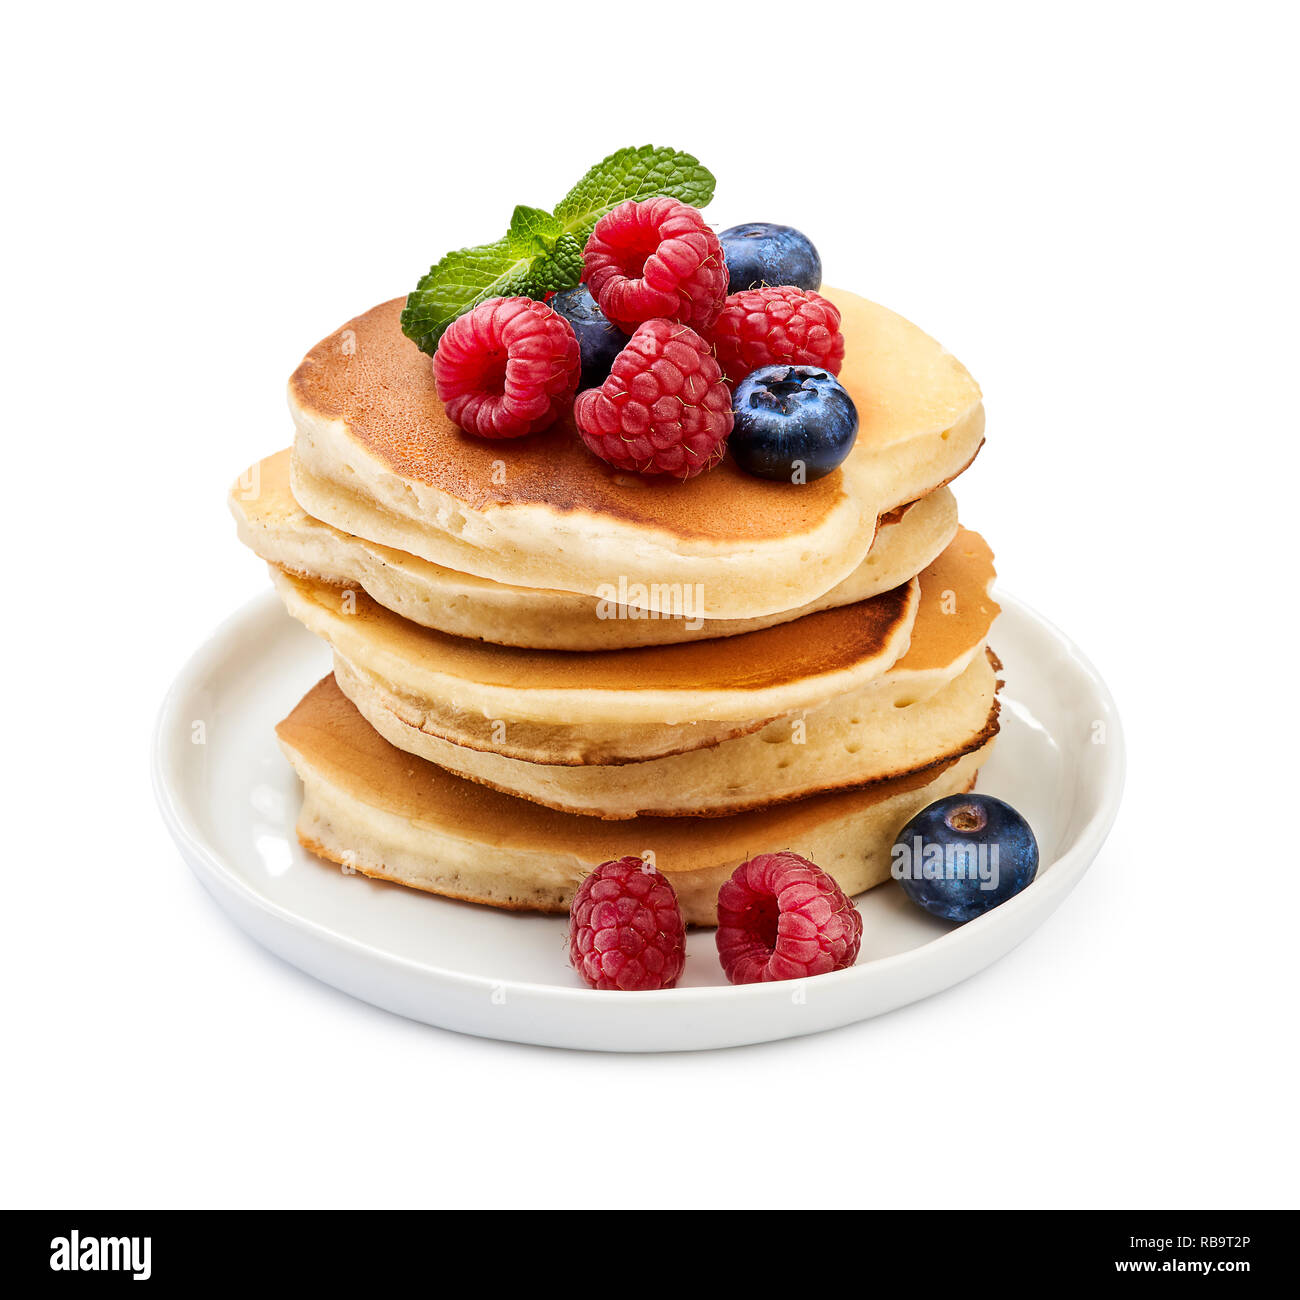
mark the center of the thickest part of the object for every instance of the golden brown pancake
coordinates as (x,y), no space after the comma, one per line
(603,706)
(853,741)
(383,390)
(619,706)
(274,526)
(385,814)
(956,609)
(376,457)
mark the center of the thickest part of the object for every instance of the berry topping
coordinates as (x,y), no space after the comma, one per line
(781,917)
(542,251)
(963,855)
(774,326)
(599,341)
(664,408)
(793,423)
(625,928)
(655,259)
(507,368)
(760,253)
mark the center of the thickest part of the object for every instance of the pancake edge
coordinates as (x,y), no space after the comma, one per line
(976,740)
(856,845)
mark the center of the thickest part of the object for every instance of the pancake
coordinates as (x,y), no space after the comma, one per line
(623,705)
(854,741)
(375,456)
(275,527)
(605,706)
(385,814)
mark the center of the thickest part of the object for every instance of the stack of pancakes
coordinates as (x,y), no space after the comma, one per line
(541,662)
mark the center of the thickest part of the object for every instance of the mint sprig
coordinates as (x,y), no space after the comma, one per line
(542,251)
(533,257)
(633,174)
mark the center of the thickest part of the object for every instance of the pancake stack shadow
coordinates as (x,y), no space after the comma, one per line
(541,664)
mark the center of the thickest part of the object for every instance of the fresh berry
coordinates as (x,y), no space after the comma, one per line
(775,326)
(793,423)
(599,340)
(760,253)
(625,928)
(655,259)
(664,408)
(507,368)
(963,855)
(781,917)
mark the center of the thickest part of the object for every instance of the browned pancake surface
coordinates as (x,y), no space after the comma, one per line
(818,643)
(371,376)
(953,615)
(326,729)
(956,610)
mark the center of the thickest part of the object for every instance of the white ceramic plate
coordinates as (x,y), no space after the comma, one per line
(230,800)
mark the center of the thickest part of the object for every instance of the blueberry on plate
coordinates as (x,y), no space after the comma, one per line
(760,253)
(599,341)
(963,855)
(794,423)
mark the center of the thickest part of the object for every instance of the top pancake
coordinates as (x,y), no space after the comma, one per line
(384,391)
(542,511)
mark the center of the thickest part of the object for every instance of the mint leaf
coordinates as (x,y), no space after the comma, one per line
(633,174)
(562,270)
(542,251)
(534,224)
(534,256)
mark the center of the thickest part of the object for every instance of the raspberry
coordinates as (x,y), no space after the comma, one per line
(625,928)
(664,408)
(653,259)
(781,917)
(777,325)
(507,368)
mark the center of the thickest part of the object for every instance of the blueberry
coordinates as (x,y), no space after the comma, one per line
(963,855)
(788,417)
(599,342)
(760,253)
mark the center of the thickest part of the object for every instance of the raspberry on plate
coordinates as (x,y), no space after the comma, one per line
(625,928)
(781,917)
(655,259)
(778,325)
(507,368)
(664,408)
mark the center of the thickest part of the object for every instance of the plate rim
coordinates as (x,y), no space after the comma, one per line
(1046,892)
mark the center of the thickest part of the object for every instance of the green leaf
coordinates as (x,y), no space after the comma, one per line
(534,256)
(533,224)
(542,251)
(633,174)
(563,269)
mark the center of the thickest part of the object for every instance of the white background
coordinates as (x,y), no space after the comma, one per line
(1094,207)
